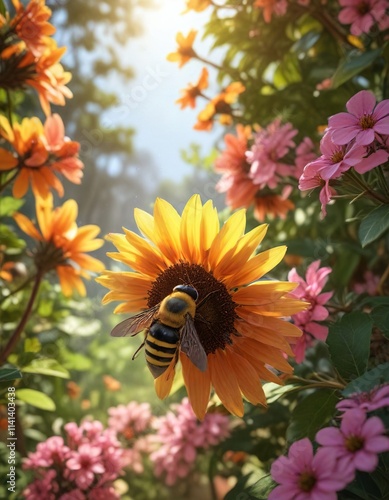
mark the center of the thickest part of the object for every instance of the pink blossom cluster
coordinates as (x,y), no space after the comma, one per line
(354,446)
(367,401)
(358,139)
(180,436)
(81,467)
(130,423)
(363,15)
(309,289)
(271,145)
(369,284)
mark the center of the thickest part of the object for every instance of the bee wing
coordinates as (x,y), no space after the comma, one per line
(190,344)
(135,324)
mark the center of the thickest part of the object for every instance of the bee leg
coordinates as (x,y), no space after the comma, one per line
(138,350)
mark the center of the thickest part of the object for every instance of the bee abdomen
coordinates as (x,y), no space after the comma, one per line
(160,348)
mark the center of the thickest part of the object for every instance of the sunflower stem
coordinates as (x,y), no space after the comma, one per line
(22,323)
(9,107)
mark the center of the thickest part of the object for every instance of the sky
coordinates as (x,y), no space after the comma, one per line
(148,103)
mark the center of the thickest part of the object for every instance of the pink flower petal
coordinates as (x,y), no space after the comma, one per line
(361,103)
(365,461)
(330,436)
(345,135)
(377,158)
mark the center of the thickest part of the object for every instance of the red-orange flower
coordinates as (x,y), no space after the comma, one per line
(219,105)
(40,153)
(62,244)
(31,24)
(193,90)
(185,50)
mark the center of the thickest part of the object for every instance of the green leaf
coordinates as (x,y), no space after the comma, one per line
(2,7)
(311,414)
(46,367)
(374,225)
(349,344)
(9,205)
(353,65)
(9,374)
(250,487)
(275,391)
(32,345)
(36,398)
(380,317)
(369,380)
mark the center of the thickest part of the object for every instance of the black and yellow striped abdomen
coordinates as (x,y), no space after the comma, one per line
(160,347)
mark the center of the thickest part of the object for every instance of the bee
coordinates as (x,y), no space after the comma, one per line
(169,327)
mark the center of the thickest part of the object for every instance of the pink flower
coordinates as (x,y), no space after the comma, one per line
(130,420)
(305,153)
(357,443)
(309,290)
(362,14)
(180,436)
(369,285)
(311,179)
(336,159)
(84,464)
(75,494)
(44,488)
(51,452)
(363,121)
(366,401)
(270,146)
(305,476)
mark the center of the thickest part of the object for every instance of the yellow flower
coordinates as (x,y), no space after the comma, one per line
(239,325)
(197,5)
(62,244)
(185,50)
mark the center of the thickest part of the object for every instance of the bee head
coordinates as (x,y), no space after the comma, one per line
(192,292)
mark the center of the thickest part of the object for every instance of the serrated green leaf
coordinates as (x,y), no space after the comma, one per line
(369,380)
(311,414)
(353,65)
(35,398)
(374,225)
(9,205)
(349,344)
(9,374)
(46,367)
(380,317)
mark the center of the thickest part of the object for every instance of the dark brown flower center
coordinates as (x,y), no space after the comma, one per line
(363,8)
(307,481)
(215,313)
(354,443)
(337,156)
(367,121)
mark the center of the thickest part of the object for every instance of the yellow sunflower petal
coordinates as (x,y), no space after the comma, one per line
(258,266)
(263,293)
(190,229)
(263,335)
(264,353)
(285,306)
(227,238)
(209,226)
(167,223)
(198,386)
(224,380)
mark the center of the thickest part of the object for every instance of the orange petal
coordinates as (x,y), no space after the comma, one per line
(224,380)
(21,183)
(227,238)
(263,293)
(198,386)
(163,384)
(7,160)
(27,226)
(263,335)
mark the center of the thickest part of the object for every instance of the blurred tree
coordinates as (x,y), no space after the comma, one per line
(97,35)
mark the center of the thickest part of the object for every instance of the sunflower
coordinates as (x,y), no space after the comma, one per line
(185,50)
(62,244)
(239,325)
(192,91)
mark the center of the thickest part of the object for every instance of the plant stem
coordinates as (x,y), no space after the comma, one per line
(17,289)
(22,323)
(3,186)
(9,107)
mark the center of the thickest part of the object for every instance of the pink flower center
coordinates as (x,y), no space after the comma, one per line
(354,443)
(363,8)
(367,121)
(337,156)
(307,481)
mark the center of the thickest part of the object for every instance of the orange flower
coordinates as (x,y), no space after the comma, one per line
(270,7)
(185,50)
(273,205)
(31,25)
(219,105)
(62,244)
(41,152)
(197,5)
(73,390)
(111,384)
(193,91)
